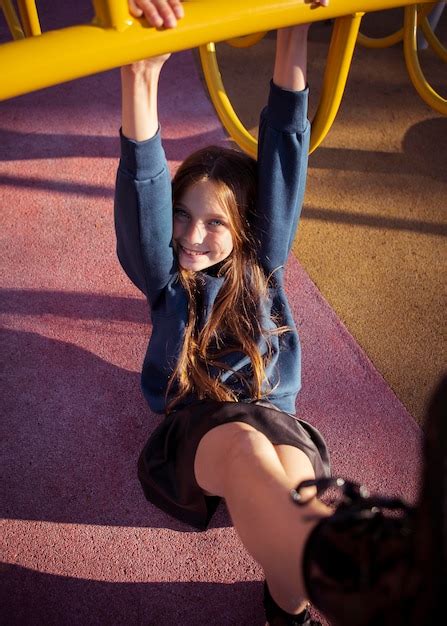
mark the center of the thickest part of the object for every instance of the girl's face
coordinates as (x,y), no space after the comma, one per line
(201,234)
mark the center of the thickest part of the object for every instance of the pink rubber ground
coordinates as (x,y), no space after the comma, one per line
(80,543)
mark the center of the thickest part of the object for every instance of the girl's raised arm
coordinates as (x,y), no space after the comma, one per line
(291,56)
(139,89)
(140,80)
(283,147)
(143,204)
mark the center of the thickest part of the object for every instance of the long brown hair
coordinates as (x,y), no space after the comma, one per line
(233,324)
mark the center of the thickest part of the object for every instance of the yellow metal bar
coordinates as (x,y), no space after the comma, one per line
(336,72)
(29,17)
(246,41)
(115,39)
(12,20)
(427,93)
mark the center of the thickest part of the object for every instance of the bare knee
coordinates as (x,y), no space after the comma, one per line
(249,442)
(220,449)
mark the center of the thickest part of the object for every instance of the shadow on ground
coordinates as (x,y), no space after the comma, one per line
(89,414)
(40,599)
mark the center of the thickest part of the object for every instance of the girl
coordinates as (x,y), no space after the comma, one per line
(223,361)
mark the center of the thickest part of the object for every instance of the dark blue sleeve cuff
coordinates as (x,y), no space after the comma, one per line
(287,110)
(142,159)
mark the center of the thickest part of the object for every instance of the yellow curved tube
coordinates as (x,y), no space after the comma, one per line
(340,53)
(30,18)
(246,41)
(380,42)
(393,38)
(12,20)
(337,69)
(433,41)
(427,93)
(221,101)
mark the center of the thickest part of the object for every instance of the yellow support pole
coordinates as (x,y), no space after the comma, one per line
(112,14)
(12,20)
(222,103)
(29,17)
(427,93)
(336,72)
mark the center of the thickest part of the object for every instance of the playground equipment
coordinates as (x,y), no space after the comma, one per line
(344,36)
(114,38)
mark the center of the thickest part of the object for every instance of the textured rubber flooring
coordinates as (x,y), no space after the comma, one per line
(80,544)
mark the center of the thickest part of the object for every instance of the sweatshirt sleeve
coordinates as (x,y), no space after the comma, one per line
(143,214)
(283,147)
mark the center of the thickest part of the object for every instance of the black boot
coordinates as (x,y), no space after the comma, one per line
(378,561)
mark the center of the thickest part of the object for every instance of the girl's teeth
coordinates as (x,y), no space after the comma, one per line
(191,252)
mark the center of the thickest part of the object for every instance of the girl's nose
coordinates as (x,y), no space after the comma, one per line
(195,233)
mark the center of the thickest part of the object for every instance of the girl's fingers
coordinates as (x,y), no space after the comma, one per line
(158,13)
(151,13)
(166,12)
(176,6)
(134,10)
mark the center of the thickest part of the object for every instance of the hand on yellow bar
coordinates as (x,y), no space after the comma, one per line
(299,31)
(290,71)
(158,13)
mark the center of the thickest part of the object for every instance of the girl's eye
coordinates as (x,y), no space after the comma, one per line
(216,223)
(181,214)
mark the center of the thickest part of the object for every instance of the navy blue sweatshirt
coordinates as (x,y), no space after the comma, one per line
(143,221)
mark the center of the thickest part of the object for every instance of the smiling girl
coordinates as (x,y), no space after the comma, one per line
(223,362)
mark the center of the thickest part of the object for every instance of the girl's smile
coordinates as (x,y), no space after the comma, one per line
(191,252)
(201,234)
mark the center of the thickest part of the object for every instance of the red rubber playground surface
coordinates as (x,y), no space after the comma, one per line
(81,545)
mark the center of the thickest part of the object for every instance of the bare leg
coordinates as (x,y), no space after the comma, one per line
(239,463)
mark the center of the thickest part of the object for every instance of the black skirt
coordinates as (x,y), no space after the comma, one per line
(166,464)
